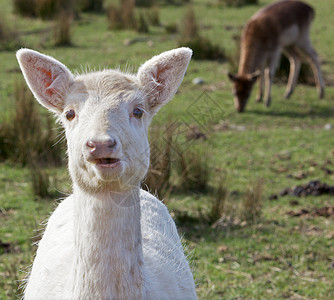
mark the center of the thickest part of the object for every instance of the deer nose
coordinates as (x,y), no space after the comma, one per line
(95,147)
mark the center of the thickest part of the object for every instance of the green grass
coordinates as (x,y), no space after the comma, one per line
(278,257)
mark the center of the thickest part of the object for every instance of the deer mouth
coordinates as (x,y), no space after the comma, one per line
(107,162)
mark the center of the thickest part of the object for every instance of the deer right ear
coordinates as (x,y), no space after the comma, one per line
(48,79)
(255,75)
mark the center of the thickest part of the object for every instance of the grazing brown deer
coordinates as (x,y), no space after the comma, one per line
(280,26)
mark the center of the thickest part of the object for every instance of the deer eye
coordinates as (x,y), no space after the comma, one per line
(137,113)
(70,114)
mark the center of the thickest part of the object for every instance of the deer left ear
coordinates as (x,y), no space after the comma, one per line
(162,75)
(48,79)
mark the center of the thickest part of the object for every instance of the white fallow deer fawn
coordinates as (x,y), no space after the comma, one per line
(280,26)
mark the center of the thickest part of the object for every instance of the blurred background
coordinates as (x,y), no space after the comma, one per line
(252,193)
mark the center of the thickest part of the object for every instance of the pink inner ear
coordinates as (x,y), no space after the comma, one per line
(47,81)
(161,81)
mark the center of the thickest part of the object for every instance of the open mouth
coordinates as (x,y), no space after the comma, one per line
(107,162)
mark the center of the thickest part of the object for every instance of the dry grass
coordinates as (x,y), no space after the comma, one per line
(153,15)
(114,17)
(238,3)
(158,175)
(44,9)
(252,203)
(25,7)
(192,170)
(142,25)
(220,199)
(62,29)
(201,46)
(27,133)
(128,14)
(174,167)
(122,16)
(89,5)
(9,38)
(40,179)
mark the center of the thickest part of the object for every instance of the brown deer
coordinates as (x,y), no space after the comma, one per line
(280,26)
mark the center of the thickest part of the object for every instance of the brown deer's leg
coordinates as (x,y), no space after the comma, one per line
(295,64)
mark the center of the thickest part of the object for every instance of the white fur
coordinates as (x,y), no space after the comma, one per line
(109,239)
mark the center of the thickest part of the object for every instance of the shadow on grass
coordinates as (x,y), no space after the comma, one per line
(313,112)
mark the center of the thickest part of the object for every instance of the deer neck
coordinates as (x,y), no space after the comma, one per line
(251,58)
(108,248)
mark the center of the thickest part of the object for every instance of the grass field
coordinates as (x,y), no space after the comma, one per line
(276,257)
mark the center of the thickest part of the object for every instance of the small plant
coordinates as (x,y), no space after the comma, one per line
(252,202)
(190,37)
(62,29)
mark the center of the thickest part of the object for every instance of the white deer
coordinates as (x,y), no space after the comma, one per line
(280,26)
(109,239)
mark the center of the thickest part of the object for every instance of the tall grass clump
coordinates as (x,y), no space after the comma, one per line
(238,3)
(122,16)
(89,5)
(173,167)
(114,17)
(190,37)
(145,3)
(62,29)
(26,133)
(9,38)
(158,176)
(44,9)
(128,13)
(40,179)
(142,26)
(192,169)
(153,15)
(28,138)
(251,205)
(220,199)
(26,8)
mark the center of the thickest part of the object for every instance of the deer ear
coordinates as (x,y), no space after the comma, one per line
(254,75)
(48,79)
(162,75)
(232,77)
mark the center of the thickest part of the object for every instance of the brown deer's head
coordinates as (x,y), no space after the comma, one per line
(242,88)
